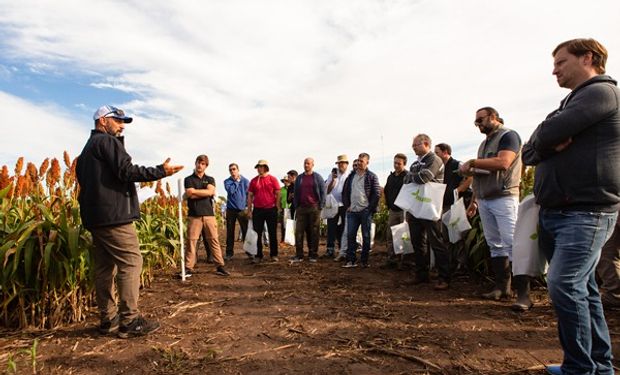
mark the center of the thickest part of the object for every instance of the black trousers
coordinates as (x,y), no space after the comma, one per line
(233,216)
(260,216)
(425,232)
(335,228)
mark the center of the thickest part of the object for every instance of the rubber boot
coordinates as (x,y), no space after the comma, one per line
(501,268)
(522,285)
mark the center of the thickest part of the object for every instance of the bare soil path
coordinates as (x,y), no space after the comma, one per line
(277,318)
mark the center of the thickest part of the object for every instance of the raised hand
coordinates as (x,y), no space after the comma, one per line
(171,169)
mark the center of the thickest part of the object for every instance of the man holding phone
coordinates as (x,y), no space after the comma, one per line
(335,183)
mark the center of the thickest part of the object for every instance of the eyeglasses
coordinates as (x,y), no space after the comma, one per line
(479,120)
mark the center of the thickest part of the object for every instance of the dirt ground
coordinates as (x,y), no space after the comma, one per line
(278,318)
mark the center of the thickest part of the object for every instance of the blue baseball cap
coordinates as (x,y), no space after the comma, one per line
(111,111)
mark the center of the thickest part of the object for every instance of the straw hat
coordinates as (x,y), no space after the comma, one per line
(262,162)
(342,159)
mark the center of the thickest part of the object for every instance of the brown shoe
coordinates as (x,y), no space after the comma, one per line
(441,285)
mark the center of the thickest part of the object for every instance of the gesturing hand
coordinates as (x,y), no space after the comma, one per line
(171,169)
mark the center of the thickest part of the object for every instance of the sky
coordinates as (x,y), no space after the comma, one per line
(282,80)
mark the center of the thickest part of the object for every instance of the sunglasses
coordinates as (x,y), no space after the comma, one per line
(115,112)
(479,120)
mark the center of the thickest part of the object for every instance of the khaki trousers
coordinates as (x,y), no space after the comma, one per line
(117,255)
(194,229)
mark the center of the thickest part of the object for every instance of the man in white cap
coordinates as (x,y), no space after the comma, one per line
(108,207)
(335,183)
(263,206)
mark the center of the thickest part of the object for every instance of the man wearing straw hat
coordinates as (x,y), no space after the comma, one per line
(335,183)
(263,206)
(108,207)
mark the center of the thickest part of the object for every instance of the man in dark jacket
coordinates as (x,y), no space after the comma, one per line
(108,206)
(427,168)
(309,199)
(396,215)
(360,195)
(576,151)
(459,186)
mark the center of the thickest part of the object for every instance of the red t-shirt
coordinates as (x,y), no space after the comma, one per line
(264,189)
(307,198)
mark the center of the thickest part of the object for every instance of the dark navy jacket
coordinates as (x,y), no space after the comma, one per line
(107,181)
(585,176)
(371,187)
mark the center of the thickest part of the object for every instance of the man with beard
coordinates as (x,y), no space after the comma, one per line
(497,174)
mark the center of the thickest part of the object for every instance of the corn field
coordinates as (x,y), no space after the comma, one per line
(46,277)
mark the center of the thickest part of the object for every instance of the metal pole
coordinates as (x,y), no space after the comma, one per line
(180,199)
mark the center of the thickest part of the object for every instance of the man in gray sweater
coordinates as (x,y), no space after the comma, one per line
(427,168)
(576,151)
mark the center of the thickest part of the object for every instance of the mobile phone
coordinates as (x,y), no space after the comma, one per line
(335,170)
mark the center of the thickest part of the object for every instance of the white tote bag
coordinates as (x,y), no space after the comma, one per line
(456,221)
(360,238)
(527,259)
(401,239)
(289,232)
(330,209)
(250,245)
(422,201)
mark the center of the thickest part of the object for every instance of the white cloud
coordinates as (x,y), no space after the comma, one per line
(37,131)
(243,80)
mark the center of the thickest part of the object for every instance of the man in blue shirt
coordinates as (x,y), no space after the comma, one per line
(237,189)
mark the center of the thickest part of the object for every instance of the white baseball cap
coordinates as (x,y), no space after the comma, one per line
(111,111)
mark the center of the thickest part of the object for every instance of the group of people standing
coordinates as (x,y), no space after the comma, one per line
(576,151)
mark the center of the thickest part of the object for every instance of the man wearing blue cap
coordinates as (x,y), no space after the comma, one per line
(108,207)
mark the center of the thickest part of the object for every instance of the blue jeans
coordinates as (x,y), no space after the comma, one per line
(354,221)
(572,242)
(498,217)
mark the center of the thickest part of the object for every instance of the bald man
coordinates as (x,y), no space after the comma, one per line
(309,199)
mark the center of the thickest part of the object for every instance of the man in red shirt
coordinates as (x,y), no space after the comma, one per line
(263,206)
(309,200)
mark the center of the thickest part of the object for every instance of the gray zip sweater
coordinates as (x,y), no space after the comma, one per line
(585,176)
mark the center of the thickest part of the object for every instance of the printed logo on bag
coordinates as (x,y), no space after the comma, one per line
(534,236)
(405,237)
(455,222)
(416,195)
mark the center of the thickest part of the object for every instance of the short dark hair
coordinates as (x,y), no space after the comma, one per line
(364,155)
(233,165)
(401,156)
(202,157)
(444,147)
(582,46)
(292,172)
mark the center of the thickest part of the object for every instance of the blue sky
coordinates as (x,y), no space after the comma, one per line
(282,80)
